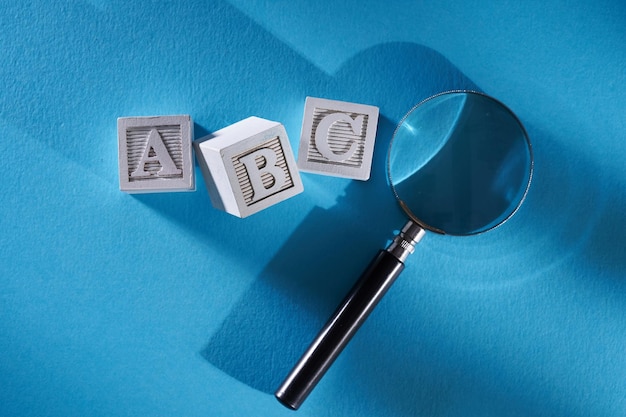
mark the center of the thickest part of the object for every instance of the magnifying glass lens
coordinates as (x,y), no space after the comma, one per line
(460,163)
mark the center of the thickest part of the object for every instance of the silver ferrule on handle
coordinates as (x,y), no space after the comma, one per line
(403,243)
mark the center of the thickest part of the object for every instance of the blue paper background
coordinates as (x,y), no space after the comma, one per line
(159,305)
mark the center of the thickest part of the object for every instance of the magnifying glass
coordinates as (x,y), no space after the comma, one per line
(459,163)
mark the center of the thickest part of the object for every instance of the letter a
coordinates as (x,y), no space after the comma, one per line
(156,151)
(255,171)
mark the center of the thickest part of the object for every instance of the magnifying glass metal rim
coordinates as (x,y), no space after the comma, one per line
(405,207)
(366,292)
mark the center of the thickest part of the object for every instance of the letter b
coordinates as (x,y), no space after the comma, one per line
(266,177)
(248,166)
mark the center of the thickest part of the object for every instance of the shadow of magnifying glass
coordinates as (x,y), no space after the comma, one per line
(459,163)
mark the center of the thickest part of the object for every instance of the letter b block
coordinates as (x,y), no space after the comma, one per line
(337,138)
(248,166)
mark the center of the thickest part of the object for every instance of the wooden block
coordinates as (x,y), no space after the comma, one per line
(155,154)
(248,166)
(337,138)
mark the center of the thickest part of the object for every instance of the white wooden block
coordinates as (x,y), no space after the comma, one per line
(337,138)
(248,166)
(155,154)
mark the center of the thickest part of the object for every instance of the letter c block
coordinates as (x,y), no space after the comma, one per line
(248,166)
(337,138)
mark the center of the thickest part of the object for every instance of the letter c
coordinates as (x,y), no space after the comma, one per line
(322,136)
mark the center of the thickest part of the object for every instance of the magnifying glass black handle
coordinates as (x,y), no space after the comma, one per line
(349,316)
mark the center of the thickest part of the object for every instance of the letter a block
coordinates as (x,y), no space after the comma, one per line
(248,166)
(337,138)
(155,154)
